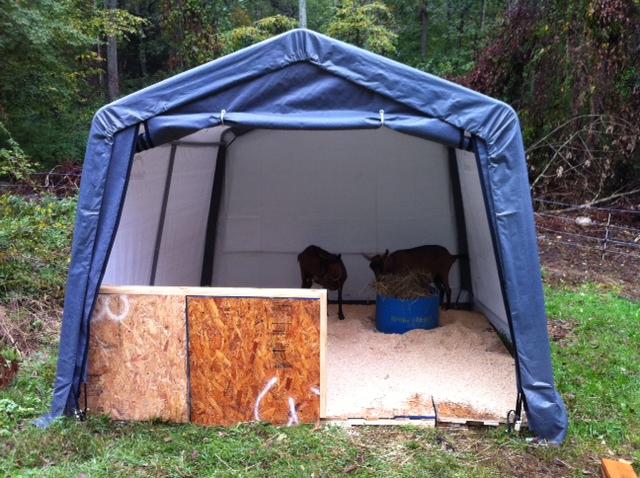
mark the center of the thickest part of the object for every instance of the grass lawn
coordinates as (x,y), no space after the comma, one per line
(596,351)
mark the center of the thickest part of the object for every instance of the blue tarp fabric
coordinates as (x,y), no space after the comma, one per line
(304,80)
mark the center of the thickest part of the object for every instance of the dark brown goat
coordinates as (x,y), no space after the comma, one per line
(436,260)
(324,268)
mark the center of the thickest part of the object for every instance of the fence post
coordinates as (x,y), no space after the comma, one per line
(606,236)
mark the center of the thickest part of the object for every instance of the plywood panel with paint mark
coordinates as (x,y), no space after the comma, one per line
(254,359)
(137,358)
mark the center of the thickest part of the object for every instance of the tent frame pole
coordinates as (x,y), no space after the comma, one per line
(163,213)
(217,189)
(461,226)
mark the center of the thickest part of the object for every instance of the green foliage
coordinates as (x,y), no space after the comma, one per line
(14,163)
(119,23)
(35,238)
(28,397)
(242,37)
(40,80)
(455,32)
(191,30)
(367,25)
(48,87)
(8,355)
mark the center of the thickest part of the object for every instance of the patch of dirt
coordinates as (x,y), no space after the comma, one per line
(561,331)
(573,254)
(8,372)
(27,325)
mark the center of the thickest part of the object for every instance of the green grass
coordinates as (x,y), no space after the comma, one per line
(597,369)
(597,366)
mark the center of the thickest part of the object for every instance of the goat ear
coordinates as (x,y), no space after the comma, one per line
(339,255)
(386,252)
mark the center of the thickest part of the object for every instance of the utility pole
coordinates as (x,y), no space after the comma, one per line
(113,82)
(424,28)
(302,12)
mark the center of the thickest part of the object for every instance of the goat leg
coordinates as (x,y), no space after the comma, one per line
(340,313)
(447,289)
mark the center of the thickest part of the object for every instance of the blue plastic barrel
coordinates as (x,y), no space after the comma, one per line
(397,316)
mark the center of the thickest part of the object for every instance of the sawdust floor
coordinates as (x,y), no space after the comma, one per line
(462,364)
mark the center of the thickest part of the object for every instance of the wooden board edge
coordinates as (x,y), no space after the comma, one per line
(616,469)
(215,291)
(323,354)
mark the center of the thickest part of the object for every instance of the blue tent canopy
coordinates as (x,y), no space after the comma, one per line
(302,80)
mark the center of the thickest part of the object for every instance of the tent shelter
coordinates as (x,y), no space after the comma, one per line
(222,174)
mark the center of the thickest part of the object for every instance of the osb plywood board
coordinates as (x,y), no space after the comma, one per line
(137,358)
(254,359)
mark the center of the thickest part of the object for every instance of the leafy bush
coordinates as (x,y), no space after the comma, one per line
(35,240)
(244,36)
(8,355)
(367,25)
(14,163)
(29,396)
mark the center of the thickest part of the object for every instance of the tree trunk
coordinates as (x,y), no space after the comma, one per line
(302,12)
(483,13)
(113,82)
(463,14)
(142,58)
(142,47)
(424,25)
(449,21)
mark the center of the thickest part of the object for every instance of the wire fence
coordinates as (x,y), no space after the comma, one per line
(570,206)
(597,231)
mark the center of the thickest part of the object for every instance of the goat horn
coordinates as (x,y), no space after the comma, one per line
(366,256)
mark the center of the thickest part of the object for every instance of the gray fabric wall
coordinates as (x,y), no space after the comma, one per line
(346,191)
(484,269)
(181,246)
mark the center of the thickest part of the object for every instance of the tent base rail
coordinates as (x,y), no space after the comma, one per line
(399,421)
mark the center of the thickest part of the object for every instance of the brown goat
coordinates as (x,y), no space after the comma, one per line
(324,268)
(436,260)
